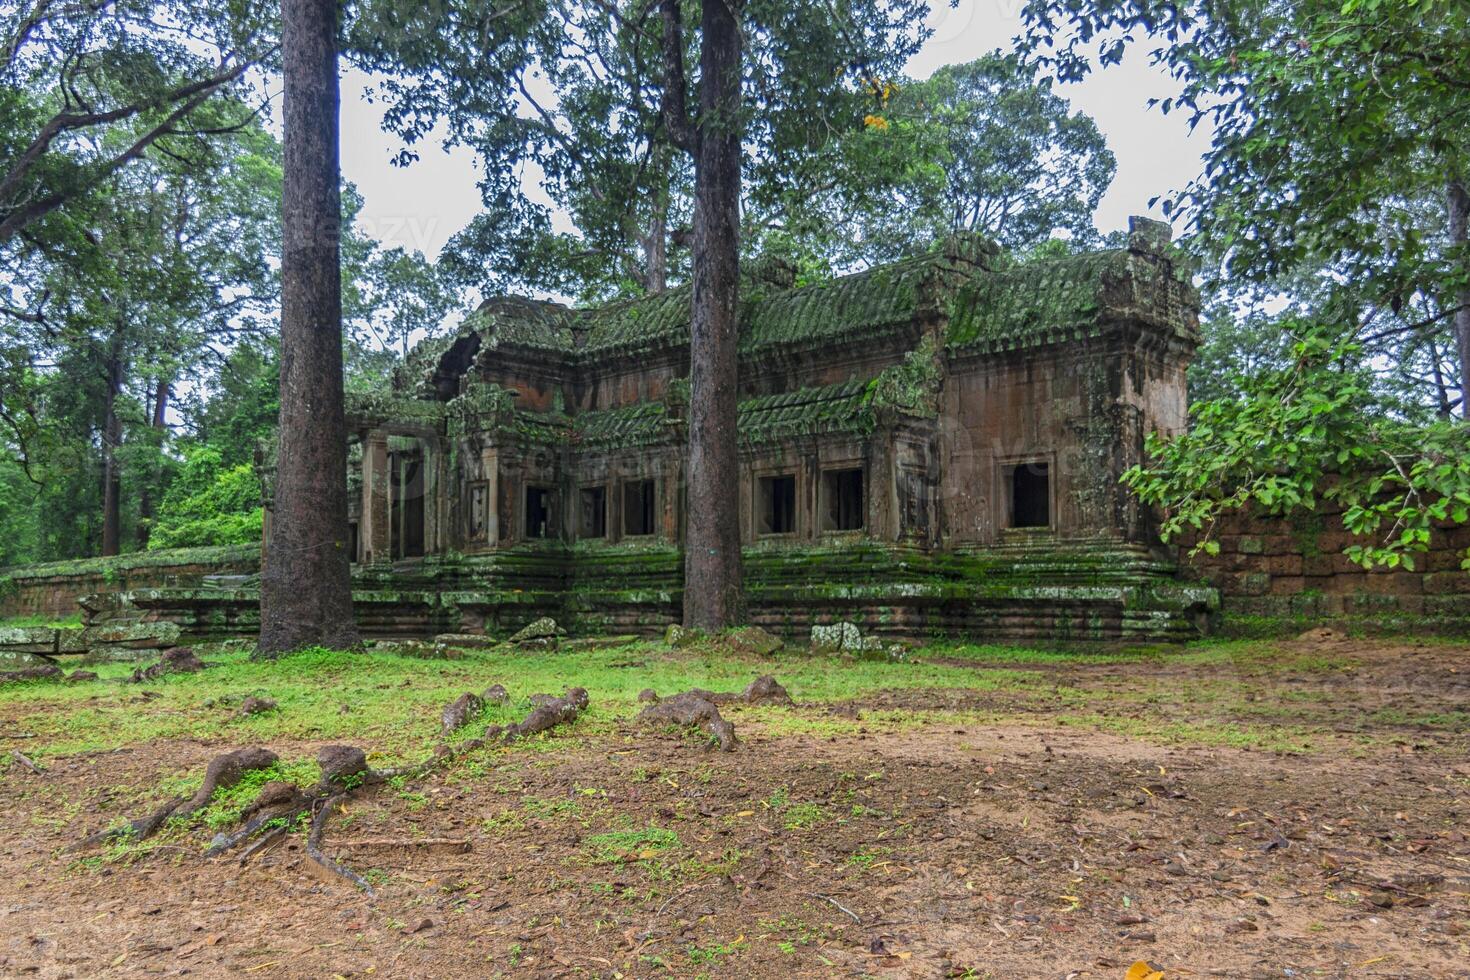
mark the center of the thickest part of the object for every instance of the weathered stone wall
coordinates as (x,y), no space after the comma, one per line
(1279,576)
(51,591)
(1080,590)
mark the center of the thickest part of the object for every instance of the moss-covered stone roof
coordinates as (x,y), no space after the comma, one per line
(644,424)
(851,406)
(1053,300)
(985,302)
(771,317)
(529,323)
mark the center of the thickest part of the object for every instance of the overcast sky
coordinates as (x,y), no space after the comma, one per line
(421,206)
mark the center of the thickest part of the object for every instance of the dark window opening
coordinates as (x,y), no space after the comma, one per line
(593,522)
(777,504)
(637,508)
(538,512)
(352,541)
(1030,495)
(843,504)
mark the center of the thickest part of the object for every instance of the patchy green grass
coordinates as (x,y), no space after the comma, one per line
(1232,692)
(45,622)
(619,846)
(393,702)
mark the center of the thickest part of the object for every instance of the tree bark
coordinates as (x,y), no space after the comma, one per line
(145,496)
(1459,215)
(111,439)
(306,587)
(712,575)
(656,240)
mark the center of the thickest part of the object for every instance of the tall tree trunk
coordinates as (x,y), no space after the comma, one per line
(111,440)
(1459,208)
(656,241)
(306,586)
(712,587)
(1441,391)
(145,496)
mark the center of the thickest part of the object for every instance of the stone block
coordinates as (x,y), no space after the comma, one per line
(1280,544)
(1447,583)
(1446,605)
(836,638)
(22,660)
(1253,583)
(467,641)
(1290,564)
(1443,560)
(541,632)
(132,636)
(109,607)
(1250,545)
(1287,584)
(1395,583)
(752,640)
(1346,582)
(71,639)
(27,639)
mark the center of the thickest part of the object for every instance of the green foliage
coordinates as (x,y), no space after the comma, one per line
(1308,431)
(983,147)
(209,504)
(1332,193)
(90,89)
(576,91)
(1338,131)
(18,523)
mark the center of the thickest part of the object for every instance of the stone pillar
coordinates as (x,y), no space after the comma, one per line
(490,466)
(430,456)
(374,536)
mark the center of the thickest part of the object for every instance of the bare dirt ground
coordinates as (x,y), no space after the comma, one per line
(1065,828)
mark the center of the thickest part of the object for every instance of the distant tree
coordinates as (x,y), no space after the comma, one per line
(982,147)
(135,284)
(1335,123)
(209,503)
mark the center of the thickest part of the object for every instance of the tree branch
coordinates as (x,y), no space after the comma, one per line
(675,105)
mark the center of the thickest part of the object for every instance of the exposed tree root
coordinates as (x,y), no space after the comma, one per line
(698,707)
(223,772)
(40,672)
(465,709)
(20,758)
(763,690)
(344,772)
(314,843)
(548,713)
(174,660)
(693,709)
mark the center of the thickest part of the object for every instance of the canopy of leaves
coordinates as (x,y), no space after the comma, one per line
(87,88)
(209,503)
(1334,122)
(982,147)
(1333,191)
(569,97)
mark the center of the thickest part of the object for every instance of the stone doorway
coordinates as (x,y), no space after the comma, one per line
(406,503)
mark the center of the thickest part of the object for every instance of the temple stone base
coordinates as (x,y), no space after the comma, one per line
(1080,590)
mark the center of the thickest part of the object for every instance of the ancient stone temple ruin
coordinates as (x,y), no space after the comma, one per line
(930,445)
